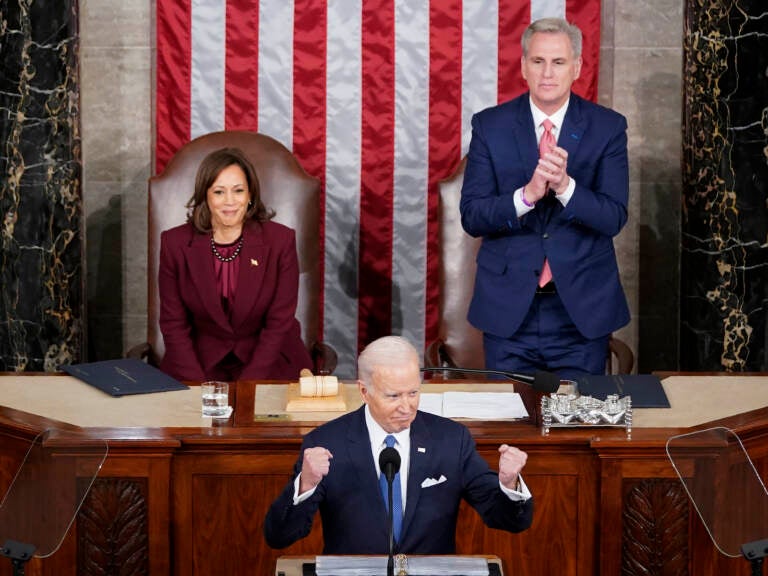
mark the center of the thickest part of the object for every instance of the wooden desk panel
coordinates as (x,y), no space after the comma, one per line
(191,500)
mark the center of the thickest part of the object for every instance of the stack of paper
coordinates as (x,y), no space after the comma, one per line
(477,405)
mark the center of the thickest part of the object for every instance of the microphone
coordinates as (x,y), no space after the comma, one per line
(389,464)
(540,381)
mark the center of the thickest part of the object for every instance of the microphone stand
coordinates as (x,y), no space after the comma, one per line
(541,381)
(390,521)
(389,464)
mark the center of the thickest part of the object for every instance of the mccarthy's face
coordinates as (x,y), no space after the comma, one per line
(228,198)
(393,396)
(550,69)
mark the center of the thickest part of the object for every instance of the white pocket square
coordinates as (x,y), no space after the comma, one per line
(432,482)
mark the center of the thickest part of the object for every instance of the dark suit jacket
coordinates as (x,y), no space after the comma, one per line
(353,510)
(577,239)
(261,331)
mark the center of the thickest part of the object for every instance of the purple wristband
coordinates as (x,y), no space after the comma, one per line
(522,196)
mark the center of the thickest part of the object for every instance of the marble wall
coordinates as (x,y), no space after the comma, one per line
(41,263)
(641,75)
(724,264)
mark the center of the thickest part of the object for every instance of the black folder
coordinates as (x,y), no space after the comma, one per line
(645,390)
(123,376)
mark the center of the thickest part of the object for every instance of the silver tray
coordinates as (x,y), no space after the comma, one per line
(570,410)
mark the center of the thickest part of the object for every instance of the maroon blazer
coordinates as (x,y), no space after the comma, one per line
(262,330)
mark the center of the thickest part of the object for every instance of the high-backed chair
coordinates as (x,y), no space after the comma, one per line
(458,343)
(286,188)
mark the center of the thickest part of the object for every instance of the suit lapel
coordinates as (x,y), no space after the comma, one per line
(573,128)
(569,138)
(200,264)
(419,467)
(253,261)
(525,137)
(528,152)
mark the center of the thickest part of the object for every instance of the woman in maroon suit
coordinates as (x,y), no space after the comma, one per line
(229,282)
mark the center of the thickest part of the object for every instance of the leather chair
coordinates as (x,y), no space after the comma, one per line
(286,188)
(459,344)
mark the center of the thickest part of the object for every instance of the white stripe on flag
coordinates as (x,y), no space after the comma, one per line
(547,9)
(276,70)
(209,52)
(342,185)
(410,182)
(479,63)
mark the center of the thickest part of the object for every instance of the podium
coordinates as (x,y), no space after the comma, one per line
(45,496)
(305,565)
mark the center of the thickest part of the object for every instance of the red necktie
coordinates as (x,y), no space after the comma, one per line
(546,144)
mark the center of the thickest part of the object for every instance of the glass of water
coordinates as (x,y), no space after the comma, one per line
(215,398)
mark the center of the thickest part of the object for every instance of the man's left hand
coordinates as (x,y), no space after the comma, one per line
(511,462)
(554,167)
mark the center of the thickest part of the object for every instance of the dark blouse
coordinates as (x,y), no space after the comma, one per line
(226,274)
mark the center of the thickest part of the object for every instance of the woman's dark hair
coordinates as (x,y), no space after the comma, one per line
(199,214)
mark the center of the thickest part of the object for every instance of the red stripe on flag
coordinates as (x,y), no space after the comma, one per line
(586,15)
(514,18)
(173,90)
(377,170)
(445,44)
(241,86)
(310,31)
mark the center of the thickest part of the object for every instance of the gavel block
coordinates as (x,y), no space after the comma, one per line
(315,394)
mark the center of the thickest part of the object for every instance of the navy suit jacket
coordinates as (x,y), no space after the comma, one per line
(353,510)
(261,330)
(577,239)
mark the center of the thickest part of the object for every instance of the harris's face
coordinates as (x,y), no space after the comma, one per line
(550,69)
(393,395)
(228,198)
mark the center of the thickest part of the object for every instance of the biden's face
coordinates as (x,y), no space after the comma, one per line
(393,395)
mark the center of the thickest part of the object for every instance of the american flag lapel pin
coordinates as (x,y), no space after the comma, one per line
(422,450)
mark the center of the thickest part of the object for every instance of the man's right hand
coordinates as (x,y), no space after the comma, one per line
(314,466)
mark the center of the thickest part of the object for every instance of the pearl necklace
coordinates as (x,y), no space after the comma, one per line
(235,254)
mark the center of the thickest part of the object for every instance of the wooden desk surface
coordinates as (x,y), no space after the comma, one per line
(185,496)
(694,400)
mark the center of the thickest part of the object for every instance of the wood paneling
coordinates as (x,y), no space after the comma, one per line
(192,501)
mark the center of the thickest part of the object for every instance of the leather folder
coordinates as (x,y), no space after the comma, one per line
(645,390)
(123,376)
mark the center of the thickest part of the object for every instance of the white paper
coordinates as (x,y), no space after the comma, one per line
(483,405)
(477,405)
(432,403)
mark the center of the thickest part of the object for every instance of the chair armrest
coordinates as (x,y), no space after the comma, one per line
(625,358)
(143,351)
(324,358)
(139,351)
(435,353)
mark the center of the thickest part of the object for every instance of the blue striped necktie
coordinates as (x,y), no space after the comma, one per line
(397,495)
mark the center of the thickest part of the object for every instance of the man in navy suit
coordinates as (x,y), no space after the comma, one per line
(338,470)
(547,290)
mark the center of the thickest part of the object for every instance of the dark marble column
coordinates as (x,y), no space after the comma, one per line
(41,276)
(724,261)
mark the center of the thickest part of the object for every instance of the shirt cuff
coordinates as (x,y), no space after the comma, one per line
(566,196)
(299,498)
(521,207)
(521,494)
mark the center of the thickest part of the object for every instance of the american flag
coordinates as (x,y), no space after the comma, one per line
(375,98)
